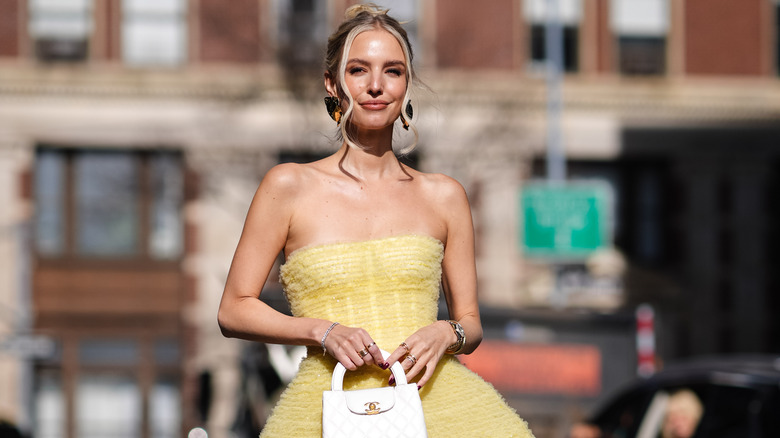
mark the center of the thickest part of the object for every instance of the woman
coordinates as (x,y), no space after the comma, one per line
(367,242)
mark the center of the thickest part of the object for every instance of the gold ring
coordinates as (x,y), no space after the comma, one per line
(411,357)
(406,347)
(363,352)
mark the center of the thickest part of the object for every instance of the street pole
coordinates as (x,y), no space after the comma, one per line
(556,161)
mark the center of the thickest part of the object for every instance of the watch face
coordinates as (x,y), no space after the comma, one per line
(459,334)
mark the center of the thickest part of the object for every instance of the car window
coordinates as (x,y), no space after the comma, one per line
(731,411)
(624,415)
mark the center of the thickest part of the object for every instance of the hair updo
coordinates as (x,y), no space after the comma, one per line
(360,18)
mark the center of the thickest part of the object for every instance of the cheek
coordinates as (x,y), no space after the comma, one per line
(402,86)
(354,86)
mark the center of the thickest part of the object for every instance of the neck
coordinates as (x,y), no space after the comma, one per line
(373,158)
(376,142)
(367,164)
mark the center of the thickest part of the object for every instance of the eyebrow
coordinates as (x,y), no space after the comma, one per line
(387,64)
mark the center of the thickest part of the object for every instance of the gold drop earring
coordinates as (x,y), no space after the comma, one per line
(333,106)
(409,113)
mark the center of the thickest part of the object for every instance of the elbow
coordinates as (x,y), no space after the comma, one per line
(223,320)
(478,336)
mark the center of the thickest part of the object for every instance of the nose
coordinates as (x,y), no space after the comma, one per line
(375,85)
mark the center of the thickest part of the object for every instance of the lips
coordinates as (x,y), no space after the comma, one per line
(374,104)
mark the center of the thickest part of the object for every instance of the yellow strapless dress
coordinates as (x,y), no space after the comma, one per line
(390,287)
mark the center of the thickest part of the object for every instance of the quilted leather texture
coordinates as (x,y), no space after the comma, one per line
(404,420)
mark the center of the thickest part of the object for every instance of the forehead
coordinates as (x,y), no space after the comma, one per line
(376,43)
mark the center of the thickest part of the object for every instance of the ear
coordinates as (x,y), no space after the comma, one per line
(330,85)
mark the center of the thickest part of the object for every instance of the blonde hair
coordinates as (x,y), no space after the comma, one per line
(360,18)
(686,404)
(686,401)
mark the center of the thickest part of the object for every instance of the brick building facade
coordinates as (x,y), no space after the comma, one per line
(133,134)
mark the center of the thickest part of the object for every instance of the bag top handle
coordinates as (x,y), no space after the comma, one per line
(337,382)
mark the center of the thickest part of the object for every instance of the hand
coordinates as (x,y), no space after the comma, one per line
(353,347)
(427,345)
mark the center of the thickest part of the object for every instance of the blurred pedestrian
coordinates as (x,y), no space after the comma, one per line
(683,413)
(367,241)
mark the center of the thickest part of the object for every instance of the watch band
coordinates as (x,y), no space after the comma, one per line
(457,347)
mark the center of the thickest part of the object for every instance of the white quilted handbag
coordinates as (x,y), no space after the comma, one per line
(389,412)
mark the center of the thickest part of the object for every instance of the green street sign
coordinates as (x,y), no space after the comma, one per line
(564,221)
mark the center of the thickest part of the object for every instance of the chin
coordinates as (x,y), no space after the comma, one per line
(374,126)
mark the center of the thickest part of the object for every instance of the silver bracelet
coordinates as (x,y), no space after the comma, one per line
(322,342)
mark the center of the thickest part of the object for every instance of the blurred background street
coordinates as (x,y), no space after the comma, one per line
(626,209)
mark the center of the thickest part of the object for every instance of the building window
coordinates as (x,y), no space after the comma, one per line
(642,55)
(106,193)
(108,204)
(154,33)
(60,29)
(113,390)
(641,27)
(165,407)
(777,37)
(569,15)
(49,405)
(408,13)
(300,33)
(108,405)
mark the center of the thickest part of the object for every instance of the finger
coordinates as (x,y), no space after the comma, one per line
(397,355)
(357,359)
(348,357)
(410,363)
(367,350)
(425,377)
(415,367)
(365,356)
(354,346)
(347,361)
(414,371)
(375,353)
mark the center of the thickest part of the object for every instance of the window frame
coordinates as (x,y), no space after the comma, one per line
(61,45)
(637,39)
(69,254)
(571,15)
(134,14)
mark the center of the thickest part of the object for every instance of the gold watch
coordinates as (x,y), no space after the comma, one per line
(457,347)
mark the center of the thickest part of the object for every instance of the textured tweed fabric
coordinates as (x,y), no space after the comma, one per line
(390,287)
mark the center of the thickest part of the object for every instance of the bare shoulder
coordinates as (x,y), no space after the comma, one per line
(286,180)
(450,204)
(442,188)
(284,176)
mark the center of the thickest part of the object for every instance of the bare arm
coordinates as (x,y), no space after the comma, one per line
(266,231)
(459,272)
(459,281)
(241,313)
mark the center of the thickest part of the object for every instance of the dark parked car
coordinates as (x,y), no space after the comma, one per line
(739,398)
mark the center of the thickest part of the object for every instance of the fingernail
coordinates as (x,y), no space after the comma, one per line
(391,381)
(419,387)
(385,366)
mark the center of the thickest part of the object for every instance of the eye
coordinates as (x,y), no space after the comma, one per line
(355,70)
(395,72)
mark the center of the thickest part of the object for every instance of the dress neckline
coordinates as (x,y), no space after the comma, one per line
(315,246)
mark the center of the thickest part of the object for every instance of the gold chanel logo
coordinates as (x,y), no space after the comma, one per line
(373,408)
